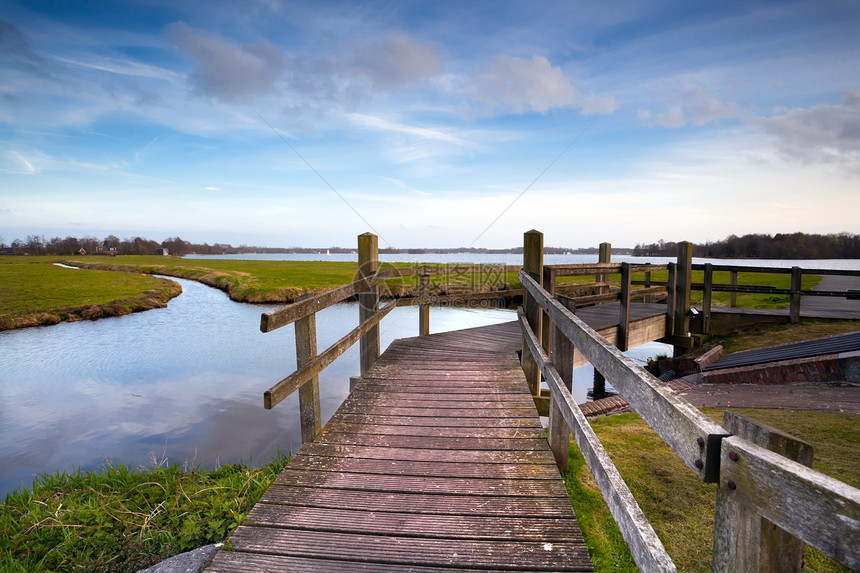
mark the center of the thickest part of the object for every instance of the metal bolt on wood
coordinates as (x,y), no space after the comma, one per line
(699,464)
(731,485)
(733,456)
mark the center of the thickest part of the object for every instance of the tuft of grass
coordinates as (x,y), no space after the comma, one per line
(678,505)
(122,519)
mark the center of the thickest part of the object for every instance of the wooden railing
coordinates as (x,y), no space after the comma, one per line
(302,313)
(756,487)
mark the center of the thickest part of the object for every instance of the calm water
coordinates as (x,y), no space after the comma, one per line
(183,383)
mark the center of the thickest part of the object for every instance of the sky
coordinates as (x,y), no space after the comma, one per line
(431,124)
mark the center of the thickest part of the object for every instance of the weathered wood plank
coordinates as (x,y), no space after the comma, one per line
(428,468)
(423,454)
(419,503)
(411,525)
(418,484)
(409,551)
(820,510)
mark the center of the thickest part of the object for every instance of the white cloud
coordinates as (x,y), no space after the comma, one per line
(822,134)
(519,85)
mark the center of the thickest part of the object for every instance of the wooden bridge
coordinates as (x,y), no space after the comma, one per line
(437,460)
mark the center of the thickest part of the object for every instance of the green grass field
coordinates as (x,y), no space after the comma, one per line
(35,291)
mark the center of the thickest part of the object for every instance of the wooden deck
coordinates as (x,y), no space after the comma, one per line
(436,461)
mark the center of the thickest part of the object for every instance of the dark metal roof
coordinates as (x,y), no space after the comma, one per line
(831,345)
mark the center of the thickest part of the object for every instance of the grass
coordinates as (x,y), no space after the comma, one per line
(123,519)
(35,291)
(677,504)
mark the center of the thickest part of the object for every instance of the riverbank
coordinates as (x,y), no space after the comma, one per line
(122,518)
(38,292)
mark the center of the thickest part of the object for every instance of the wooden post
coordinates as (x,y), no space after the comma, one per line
(647,297)
(309,392)
(794,307)
(733,296)
(743,540)
(533,265)
(368,301)
(682,289)
(424,308)
(547,326)
(562,359)
(624,322)
(706,298)
(670,300)
(605,257)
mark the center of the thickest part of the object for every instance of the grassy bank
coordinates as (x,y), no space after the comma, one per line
(37,292)
(679,506)
(123,519)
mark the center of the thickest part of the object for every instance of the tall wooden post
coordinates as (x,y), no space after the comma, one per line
(424,308)
(744,540)
(533,265)
(624,322)
(309,392)
(604,257)
(368,301)
(706,298)
(559,434)
(733,296)
(670,298)
(647,297)
(683,278)
(794,307)
(547,326)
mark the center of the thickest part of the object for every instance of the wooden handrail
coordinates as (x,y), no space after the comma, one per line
(819,510)
(694,437)
(647,549)
(292,382)
(290,313)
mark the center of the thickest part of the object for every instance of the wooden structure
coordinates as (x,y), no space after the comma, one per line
(436,461)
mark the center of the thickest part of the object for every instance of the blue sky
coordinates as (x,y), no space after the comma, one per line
(433,124)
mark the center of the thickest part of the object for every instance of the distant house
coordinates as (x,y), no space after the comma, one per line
(161,251)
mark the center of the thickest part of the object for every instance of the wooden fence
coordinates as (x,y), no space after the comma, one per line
(366,287)
(759,491)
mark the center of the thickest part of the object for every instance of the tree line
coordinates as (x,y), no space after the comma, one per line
(763,246)
(39,245)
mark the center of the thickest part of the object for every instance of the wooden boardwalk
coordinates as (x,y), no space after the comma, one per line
(436,461)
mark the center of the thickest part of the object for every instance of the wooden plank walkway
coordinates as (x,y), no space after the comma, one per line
(436,462)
